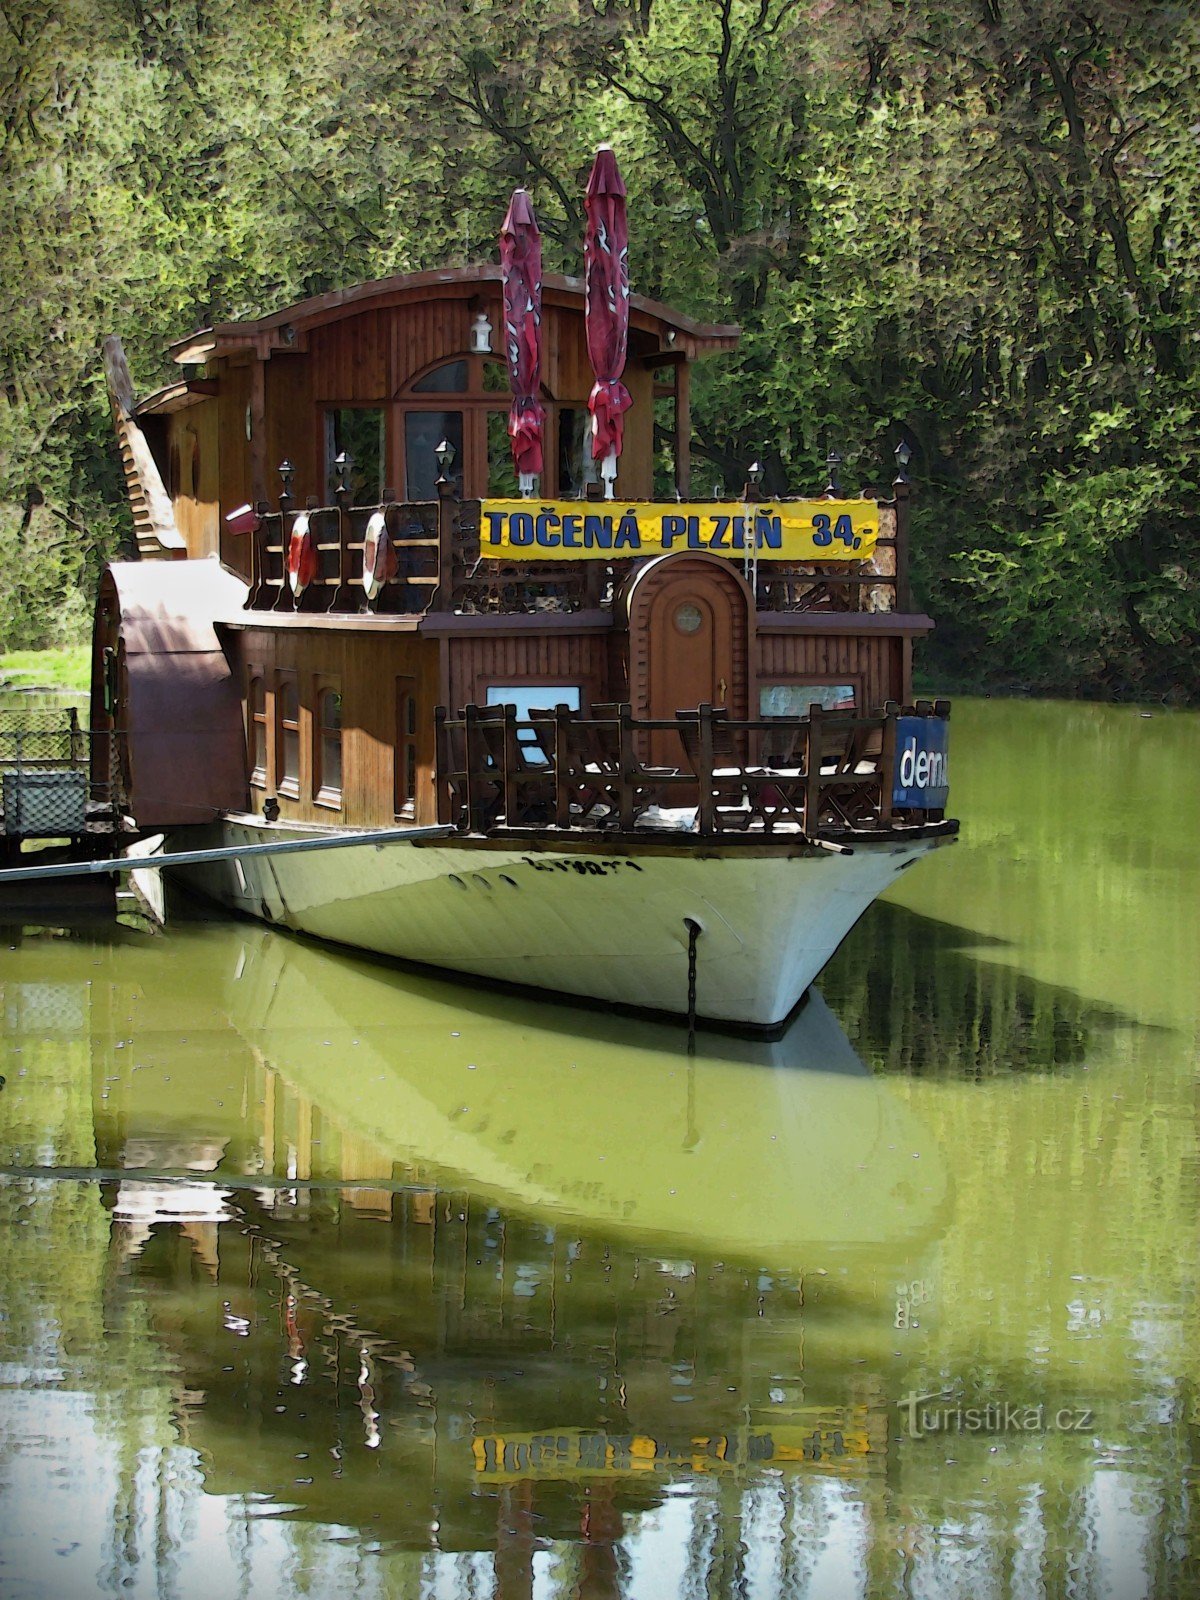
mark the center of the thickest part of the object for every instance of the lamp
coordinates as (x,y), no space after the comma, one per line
(903,457)
(481,335)
(444,456)
(287,472)
(343,461)
(833,461)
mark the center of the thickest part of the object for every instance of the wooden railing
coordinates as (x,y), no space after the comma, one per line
(339,533)
(824,775)
(439,567)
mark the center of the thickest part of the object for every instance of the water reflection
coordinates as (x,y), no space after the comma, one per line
(315,1278)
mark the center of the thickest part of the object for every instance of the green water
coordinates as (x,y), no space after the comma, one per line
(319,1279)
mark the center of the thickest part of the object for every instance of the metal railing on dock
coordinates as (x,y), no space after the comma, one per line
(50,783)
(824,775)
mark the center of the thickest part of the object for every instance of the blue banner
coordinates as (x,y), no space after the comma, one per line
(921,780)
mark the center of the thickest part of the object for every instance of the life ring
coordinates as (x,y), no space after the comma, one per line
(302,560)
(380,562)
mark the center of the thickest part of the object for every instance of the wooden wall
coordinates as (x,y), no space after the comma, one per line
(194,476)
(873,663)
(528,657)
(364,665)
(236,482)
(369,359)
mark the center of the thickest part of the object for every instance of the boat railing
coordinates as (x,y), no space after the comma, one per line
(431,560)
(57,779)
(404,577)
(827,775)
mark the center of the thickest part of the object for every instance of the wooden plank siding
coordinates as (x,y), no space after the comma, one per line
(365,669)
(535,658)
(236,485)
(194,476)
(873,663)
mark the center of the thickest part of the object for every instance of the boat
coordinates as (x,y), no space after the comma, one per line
(481,683)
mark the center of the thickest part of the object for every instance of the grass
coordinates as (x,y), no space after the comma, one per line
(68,668)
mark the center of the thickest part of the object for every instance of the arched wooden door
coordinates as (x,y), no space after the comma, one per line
(689,637)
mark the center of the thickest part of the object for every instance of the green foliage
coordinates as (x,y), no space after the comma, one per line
(978,226)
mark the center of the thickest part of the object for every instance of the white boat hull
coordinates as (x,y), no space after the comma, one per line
(575,918)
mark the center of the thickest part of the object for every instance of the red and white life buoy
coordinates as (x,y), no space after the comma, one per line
(302,556)
(380,562)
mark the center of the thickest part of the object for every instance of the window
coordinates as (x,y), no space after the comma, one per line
(287,735)
(357,430)
(406,746)
(502,474)
(576,467)
(256,708)
(466,401)
(423,432)
(794,699)
(327,775)
(523,697)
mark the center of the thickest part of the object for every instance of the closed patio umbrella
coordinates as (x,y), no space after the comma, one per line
(606,285)
(521,262)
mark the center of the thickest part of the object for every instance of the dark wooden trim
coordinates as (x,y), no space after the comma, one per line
(515,623)
(314,622)
(456,284)
(893,623)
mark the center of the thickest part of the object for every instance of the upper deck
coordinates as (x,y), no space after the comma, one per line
(428,558)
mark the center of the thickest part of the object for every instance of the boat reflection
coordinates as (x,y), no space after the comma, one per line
(476,1278)
(769,1152)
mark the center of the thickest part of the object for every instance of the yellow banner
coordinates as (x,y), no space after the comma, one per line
(604,530)
(831,1439)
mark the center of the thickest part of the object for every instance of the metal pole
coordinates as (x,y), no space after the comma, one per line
(189,858)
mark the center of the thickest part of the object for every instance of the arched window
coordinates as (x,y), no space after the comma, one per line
(256,717)
(406,746)
(464,400)
(287,735)
(327,747)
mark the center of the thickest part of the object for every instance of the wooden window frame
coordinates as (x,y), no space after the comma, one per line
(284,679)
(406,749)
(255,720)
(474,402)
(326,795)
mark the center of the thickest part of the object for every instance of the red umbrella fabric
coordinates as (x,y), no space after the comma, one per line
(606,284)
(521,261)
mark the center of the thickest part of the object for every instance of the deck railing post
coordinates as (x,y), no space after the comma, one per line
(512,766)
(564,778)
(473,744)
(887,761)
(902,490)
(442,765)
(447,533)
(629,764)
(812,771)
(708,807)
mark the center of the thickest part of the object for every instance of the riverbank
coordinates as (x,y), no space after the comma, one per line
(69,668)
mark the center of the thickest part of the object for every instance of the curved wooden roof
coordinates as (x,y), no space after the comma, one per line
(280,329)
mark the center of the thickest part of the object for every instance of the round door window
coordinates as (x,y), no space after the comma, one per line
(688,618)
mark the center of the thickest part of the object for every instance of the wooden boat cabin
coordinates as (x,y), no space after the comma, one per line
(365,584)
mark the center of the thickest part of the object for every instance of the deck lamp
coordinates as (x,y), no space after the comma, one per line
(903,457)
(833,461)
(444,456)
(481,335)
(287,472)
